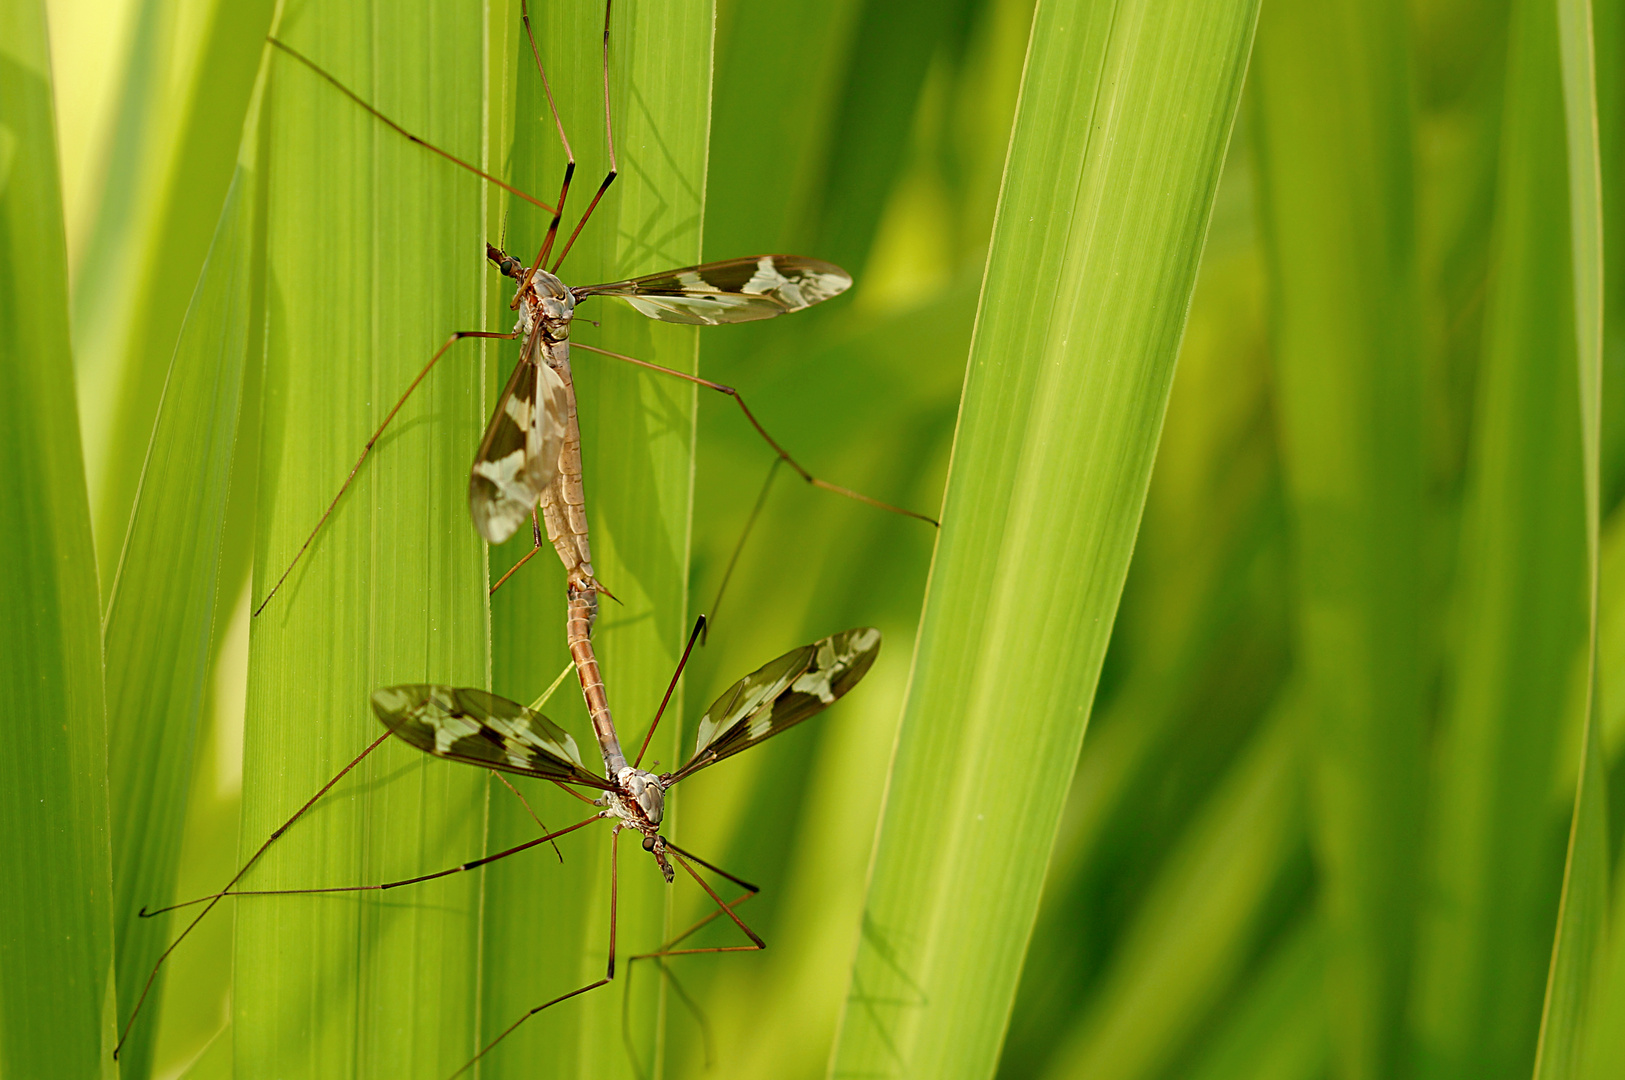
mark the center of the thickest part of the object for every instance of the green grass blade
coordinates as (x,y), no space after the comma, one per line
(1611,642)
(1608,18)
(1336,173)
(1115,155)
(756,136)
(1522,611)
(1572,990)
(373,258)
(215,1062)
(1198,653)
(1573,984)
(57,1000)
(1201,918)
(637,431)
(204,88)
(1605,1035)
(1277,1030)
(1605,1047)
(892,47)
(160,628)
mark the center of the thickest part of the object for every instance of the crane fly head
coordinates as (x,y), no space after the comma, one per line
(510,266)
(545,299)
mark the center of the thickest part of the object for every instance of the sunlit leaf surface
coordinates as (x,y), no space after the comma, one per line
(57,1011)
(1108,189)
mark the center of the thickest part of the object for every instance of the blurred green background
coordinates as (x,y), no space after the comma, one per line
(1320,822)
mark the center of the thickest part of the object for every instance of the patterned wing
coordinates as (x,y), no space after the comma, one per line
(547,427)
(781,694)
(482,729)
(732,291)
(520,450)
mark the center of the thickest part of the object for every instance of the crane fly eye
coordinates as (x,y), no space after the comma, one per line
(648,843)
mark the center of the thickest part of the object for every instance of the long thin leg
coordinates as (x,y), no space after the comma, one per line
(660,956)
(699,628)
(536,545)
(235,878)
(371,442)
(760,430)
(526,804)
(609,972)
(387,885)
(512,570)
(756,942)
(668,949)
(715,869)
(609,134)
(682,995)
(392,125)
(569,158)
(739,545)
(724,909)
(552,235)
(566,788)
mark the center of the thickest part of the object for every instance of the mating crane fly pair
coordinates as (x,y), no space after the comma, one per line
(529,464)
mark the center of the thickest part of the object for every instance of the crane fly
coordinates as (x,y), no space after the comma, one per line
(530,457)
(480,728)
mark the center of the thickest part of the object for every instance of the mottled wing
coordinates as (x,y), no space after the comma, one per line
(781,694)
(547,427)
(470,725)
(520,450)
(732,291)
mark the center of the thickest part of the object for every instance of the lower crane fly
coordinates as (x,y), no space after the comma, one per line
(480,728)
(530,456)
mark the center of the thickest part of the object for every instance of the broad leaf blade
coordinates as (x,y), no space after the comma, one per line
(1277,1030)
(373,258)
(160,628)
(1200,920)
(1574,993)
(1522,607)
(56,953)
(1337,174)
(185,92)
(1125,114)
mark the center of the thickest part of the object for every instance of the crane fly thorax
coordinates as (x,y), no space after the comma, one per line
(546,304)
(639,803)
(639,800)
